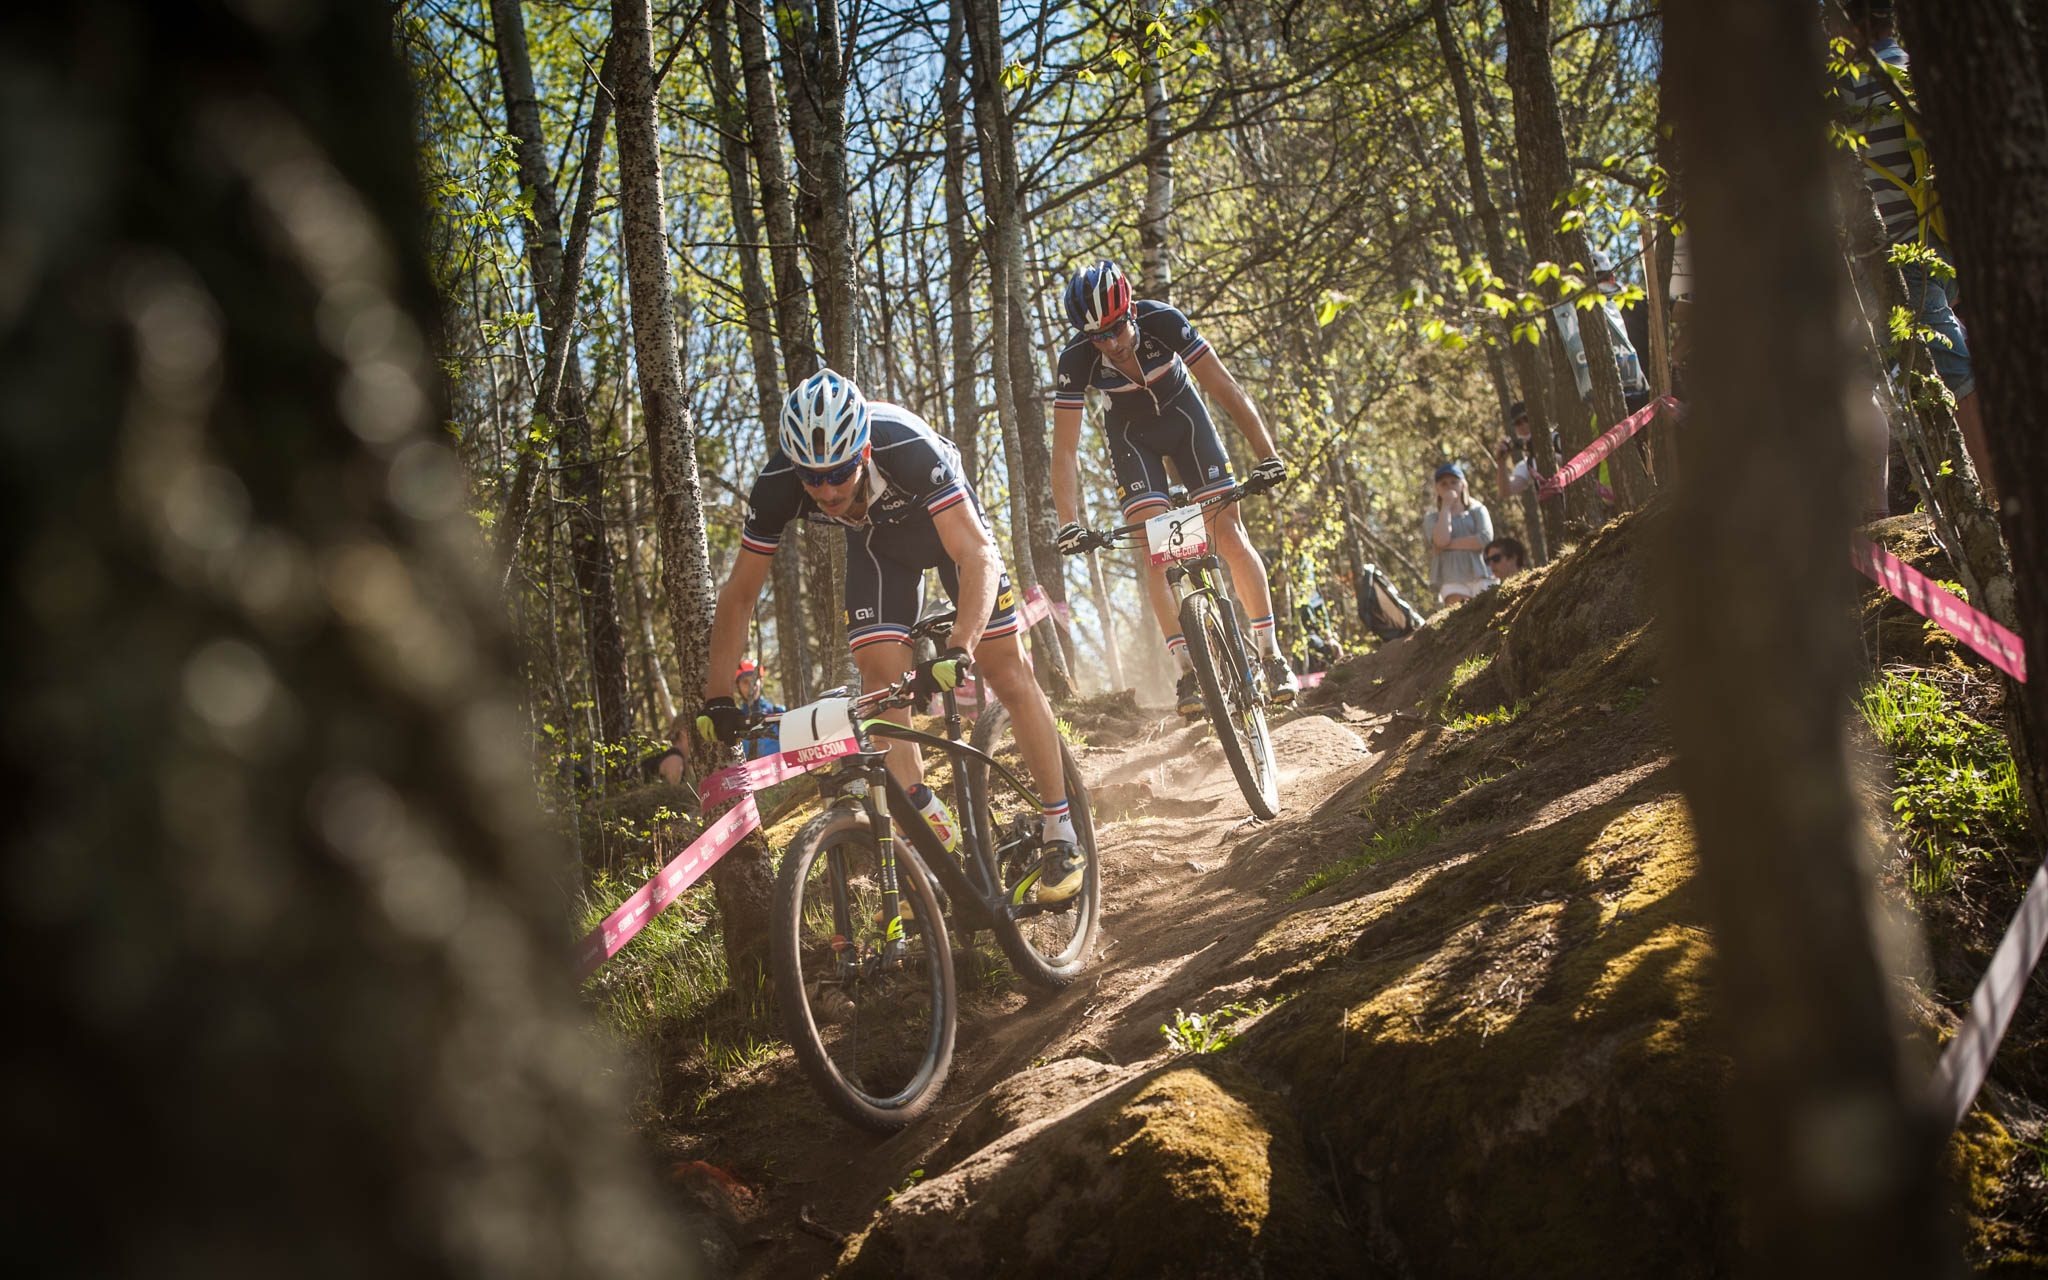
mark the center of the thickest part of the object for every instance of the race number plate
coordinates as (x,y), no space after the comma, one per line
(1176,535)
(818,731)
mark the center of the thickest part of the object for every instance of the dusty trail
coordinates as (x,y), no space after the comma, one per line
(1185,899)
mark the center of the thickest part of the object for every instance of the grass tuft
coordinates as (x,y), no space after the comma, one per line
(1955,791)
(1395,842)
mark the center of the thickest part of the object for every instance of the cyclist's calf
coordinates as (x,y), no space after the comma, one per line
(881,663)
(1001,665)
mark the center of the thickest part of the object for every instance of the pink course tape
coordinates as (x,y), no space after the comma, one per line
(1967,1059)
(684,870)
(720,838)
(758,775)
(1591,456)
(1994,643)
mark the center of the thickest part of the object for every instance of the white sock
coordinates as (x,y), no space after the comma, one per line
(1178,647)
(1056,822)
(1269,643)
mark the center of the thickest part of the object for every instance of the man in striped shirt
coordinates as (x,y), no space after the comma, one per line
(880,473)
(1901,178)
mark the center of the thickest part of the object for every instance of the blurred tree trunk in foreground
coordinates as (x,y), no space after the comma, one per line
(1833,1144)
(281,931)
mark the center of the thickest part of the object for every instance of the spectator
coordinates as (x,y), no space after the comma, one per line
(1628,360)
(1319,645)
(1505,557)
(1897,171)
(1628,366)
(1511,477)
(1456,533)
(746,691)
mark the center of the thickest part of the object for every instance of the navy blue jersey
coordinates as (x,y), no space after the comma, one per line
(913,473)
(1168,347)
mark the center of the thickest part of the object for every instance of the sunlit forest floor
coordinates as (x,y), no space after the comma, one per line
(1449,1014)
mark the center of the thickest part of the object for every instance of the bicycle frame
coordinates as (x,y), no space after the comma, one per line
(971,878)
(1201,574)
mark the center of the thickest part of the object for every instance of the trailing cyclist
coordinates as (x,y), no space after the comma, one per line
(1147,360)
(880,472)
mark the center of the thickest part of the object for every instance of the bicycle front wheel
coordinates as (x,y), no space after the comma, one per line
(1048,945)
(866,992)
(1235,706)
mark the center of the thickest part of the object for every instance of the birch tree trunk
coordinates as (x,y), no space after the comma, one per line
(280,912)
(730,109)
(742,880)
(1021,412)
(814,64)
(800,357)
(1155,255)
(966,397)
(1833,1141)
(1543,521)
(555,290)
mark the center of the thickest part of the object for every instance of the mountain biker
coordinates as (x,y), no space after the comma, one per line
(1147,360)
(880,472)
(746,693)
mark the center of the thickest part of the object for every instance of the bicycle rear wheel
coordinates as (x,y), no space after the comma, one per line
(1235,707)
(1048,946)
(867,997)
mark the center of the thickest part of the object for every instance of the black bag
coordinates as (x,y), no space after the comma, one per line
(1382,609)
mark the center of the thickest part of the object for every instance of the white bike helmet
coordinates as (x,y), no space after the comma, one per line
(824,422)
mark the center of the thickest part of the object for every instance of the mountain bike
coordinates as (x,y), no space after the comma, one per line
(861,955)
(1226,664)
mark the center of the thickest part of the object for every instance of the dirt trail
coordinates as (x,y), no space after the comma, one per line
(1184,899)
(1474,955)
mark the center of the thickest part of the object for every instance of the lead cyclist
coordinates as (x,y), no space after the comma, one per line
(879,472)
(1147,360)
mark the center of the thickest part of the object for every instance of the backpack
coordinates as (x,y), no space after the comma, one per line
(1382,609)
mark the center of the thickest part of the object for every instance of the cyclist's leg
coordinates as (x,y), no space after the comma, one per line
(1201,453)
(883,596)
(1141,484)
(999,660)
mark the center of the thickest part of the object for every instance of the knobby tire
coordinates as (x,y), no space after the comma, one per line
(1234,708)
(1028,942)
(816,1028)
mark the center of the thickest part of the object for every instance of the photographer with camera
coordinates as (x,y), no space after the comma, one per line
(1514,465)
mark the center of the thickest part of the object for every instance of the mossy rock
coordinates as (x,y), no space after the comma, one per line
(1524,1083)
(1034,1094)
(1581,604)
(1191,1169)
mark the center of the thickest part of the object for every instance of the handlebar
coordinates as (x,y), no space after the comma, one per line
(887,697)
(1103,540)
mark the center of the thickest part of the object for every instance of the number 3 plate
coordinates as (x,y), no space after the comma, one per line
(1176,535)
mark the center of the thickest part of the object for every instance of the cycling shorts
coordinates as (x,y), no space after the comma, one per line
(1184,433)
(885,567)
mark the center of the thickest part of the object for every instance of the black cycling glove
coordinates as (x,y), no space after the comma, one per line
(942,674)
(721,720)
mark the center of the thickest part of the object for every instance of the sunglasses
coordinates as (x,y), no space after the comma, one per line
(1498,557)
(836,475)
(1109,333)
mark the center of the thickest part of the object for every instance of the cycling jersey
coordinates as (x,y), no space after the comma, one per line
(912,475)
(1159,418)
